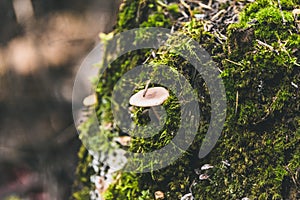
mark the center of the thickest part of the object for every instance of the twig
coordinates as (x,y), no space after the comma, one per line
(147,59)
(210,3)
(236,101)
(217,15)
(234,62)
(162,4)
(266,45)
(221,71)
(146,88)
(283,19)
(202,5)
(220,36)
(293,178)
(184,14)
(187,6)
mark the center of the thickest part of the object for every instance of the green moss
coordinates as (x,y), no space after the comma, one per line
(271,22)
(288,4)
(173,8)
(83,194)
(255,134)
(82,185)
(156,20)
(260,140)
(133,13)
(128,187)
(142,13)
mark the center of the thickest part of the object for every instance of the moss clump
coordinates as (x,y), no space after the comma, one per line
(261,135)
(82,186)
(257,155)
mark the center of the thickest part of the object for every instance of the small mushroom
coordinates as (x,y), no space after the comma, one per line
(245,198)
(123,140)
(296,13)
(90,100)
(188,196)
(159,195)
(203,176)
(149,97)
(294,85)
(206,166)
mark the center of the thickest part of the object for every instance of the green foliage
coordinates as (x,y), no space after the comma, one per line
(142,13)
(260,140)
(128,187)
(82,185)
(271,22)
(262,109)
(83,194)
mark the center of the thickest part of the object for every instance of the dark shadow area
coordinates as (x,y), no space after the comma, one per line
(42,43)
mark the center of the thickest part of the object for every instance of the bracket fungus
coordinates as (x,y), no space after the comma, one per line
(149,97)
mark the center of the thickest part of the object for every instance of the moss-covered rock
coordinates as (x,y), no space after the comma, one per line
(258,153)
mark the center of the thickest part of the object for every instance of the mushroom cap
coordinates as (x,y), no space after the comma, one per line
(90,100)
(206,166)
(203,176)
(154,96)
(159,195)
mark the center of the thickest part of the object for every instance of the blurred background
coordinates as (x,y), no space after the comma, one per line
(42,44)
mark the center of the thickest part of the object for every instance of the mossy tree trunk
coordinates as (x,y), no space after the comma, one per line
(258,153)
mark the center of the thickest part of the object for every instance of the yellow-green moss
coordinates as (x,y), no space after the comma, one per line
(82,185)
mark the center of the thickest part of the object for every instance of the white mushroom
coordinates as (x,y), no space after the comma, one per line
(90,100)
(149,97)
(159,195)
(188,196)
(245,198)
(206,166)
(203,176)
